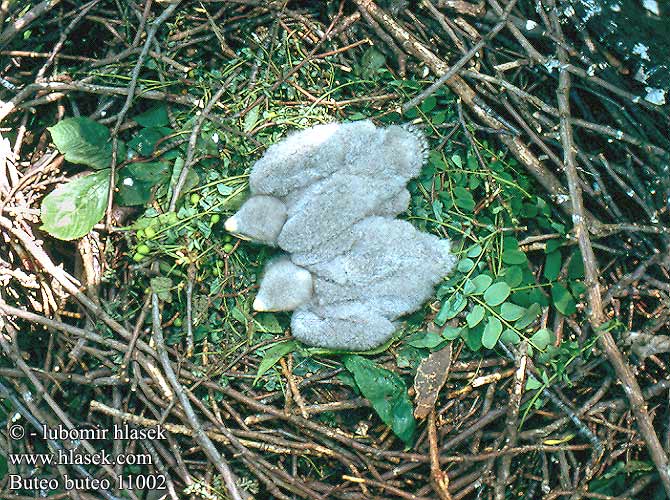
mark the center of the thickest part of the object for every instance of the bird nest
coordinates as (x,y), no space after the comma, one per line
(131,353)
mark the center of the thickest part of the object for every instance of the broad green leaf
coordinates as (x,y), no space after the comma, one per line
(144,142)
(136,181)
(529,316)
(541,339)
(473,337)
(552,265)
(496,293)
(268,323)
(576,266)
(475,316)
(451,332)
(492,332)
(273,355)
(532,383)
(427,340)
(387,393)
(156,116)
(371,61)
(474,251)
(162,286)
(428,104)
(86,142)
(465,265)
(552,245)
(451,307)
(513,276)
(464,198)
(239,315)
(438,207)
(70,211)
(510,337)
(511,312)
(510,243)
(481,282)
(513,257)
(562,299)
(250,119)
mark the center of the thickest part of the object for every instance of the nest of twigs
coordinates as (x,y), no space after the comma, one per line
(547,157)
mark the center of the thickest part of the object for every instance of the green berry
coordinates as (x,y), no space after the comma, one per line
(150,232)
(141,234)
(172,218)
(178,322)
(195,198)
(215,218)
(143,249)
(138,257)
(228,247)
(227,238)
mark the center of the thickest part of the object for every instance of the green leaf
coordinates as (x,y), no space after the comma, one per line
(510,337)
(162,286)
(451,332)
(492,332)
(552,265)
(273,355)
(136,181)
(428,104)
(145,140)
(481,282)
(156,116)
(268,323)
(70,211)
(532,383)
(86,142)
(371,61)
(562,299)
(475,316)
(541,339)
(511,312)
(474,251)
(473,337)
(465,265)
(387,393)
(513,257)
(513,276)
(576,266)
(529,316)
(250,119)
(463,198)
(496,293)
(553,245)
(427,340)
(451,307)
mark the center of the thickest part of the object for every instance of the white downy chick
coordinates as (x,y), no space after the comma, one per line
(352,326)
(391,266)
(260,219)
(320,225)
(309,155)
(284,286)
(353,269)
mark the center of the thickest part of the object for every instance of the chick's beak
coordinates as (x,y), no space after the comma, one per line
(258,305)
(231,224)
